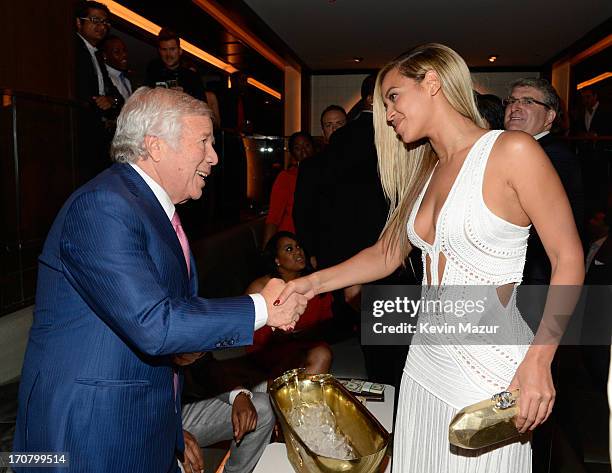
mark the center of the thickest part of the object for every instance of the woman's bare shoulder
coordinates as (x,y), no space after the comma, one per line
(517,144)
(258,284)
(517,152)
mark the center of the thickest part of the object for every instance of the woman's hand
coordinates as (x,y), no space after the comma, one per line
(304,286)
(537,392)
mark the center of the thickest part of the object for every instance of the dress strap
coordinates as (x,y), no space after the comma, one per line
(483,152)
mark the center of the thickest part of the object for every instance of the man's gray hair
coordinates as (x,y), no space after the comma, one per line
(551,98)
(156,112)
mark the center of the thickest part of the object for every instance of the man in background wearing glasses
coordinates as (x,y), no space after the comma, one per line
(99,100)
(533,106)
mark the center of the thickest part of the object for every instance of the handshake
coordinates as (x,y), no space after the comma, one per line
(286,301)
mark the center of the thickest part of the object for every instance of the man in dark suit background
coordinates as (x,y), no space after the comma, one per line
(307,208)
(593,121)
(354,209)
(354,201)
(116,59)
(167,70)
(596,119)
(98,98)
(117,312)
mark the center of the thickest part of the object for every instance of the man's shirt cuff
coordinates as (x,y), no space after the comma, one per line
(261,310)
(235,392)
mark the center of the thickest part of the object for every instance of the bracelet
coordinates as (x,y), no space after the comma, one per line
(246,392)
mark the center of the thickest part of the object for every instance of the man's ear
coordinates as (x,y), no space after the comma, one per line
(78,24)
(153,145)
(432,82)
(550,119)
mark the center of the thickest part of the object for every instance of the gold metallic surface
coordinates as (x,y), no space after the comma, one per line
(482,425)
(368,438)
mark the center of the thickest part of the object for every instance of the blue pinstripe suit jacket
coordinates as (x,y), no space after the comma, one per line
(113,302)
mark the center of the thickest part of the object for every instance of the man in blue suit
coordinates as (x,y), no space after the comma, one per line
(116,304)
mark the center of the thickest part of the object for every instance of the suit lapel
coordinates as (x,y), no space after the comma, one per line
(153,210)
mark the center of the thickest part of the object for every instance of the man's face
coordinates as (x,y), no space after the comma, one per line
(533,118)
(93,32)
(331,121)
(182,169)
(115,54)
(170,53)
(302,148)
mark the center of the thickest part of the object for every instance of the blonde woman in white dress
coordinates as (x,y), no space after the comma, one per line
(467,197)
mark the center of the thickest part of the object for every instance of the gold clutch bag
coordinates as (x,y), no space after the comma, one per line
(485,423)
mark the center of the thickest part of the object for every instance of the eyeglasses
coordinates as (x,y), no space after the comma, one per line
(524,101)
(97,21)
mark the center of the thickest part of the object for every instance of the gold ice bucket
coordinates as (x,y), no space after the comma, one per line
(368,438)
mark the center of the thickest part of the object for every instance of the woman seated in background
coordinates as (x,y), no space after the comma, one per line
(285,259)
(301,146)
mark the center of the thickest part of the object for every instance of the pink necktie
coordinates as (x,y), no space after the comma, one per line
(178,228)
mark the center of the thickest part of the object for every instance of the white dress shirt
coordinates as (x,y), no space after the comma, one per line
(261,311)
(92,51)
(588,117)
(120,81)
(541,135)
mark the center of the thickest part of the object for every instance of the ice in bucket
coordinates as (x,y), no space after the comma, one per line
(316,425)
(315,407)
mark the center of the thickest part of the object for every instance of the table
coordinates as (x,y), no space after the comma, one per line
(274,458)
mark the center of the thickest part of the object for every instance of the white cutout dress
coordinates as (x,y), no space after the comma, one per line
(444,373)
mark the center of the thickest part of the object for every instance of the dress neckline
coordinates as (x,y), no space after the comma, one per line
(417,205)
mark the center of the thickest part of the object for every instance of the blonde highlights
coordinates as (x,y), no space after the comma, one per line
(405,167)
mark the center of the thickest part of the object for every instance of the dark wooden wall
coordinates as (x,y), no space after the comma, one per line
(34,36)
(36,148)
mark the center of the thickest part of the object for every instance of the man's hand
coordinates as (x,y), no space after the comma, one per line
(244,416)
(104,102)
(184,359)
(304,286)
(286,315)
(194,461)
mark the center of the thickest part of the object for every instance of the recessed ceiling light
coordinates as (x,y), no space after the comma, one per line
(493,57)
(357,59)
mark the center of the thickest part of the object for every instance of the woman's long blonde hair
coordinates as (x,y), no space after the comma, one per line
(404,168)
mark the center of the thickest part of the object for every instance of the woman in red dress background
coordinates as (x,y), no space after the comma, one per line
(301,146)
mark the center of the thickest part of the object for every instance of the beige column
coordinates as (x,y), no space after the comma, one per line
(293,103)
(561,82)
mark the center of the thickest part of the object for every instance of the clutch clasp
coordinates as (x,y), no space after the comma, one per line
(503,400)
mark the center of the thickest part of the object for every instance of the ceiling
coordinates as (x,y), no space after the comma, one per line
(327,34)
